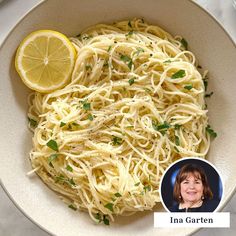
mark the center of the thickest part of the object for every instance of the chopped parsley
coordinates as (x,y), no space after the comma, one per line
(90,117)
(109,206)
(130,33)
(212,133)
(205,81)
(177,141)
(159,127)
(105,220)
(61,178)
(129,24)
(73,207)
(33,123)
(167,61)
(188,87)
(184,43)
(62,124)
(51,158)
(116,140)
(139,50)
(127,60)
(117,194)
(137,184)
(178,74)
(208,95)
(177,126)
(176,149)
(52,144)
(88,67)
(147,188)
(109,48)
(69,168)
(131,81)
(86,106)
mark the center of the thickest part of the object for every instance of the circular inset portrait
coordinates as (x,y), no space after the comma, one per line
(191,185)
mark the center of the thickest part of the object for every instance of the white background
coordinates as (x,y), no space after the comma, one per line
(12,221)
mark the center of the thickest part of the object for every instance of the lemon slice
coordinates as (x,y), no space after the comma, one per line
(44,60)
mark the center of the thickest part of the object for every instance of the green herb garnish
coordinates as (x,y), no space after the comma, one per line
(167,61)
(177,126)
(109,48)
(130,33)
(212,133)
(109,206)
(86,106)
(188,87)
(131,81)
(178,74)
(184,43)
(52,144)
(205,82)
(137,184)
(127,60)
(98,217)
(88,67)
(62,124)
(33,123)
(147,188)
(63,179)
(177,141)
(73,207)
(116,140)
(129,24)
(117,194)
(139,50)
(176,149)
(51,158)
(90,117)
(159,127)
(105,220)
(69,168)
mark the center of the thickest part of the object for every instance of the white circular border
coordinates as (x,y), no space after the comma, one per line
(188,158)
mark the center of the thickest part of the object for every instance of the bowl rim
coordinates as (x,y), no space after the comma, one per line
(4,42)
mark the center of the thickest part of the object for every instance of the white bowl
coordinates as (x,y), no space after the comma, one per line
(207,39)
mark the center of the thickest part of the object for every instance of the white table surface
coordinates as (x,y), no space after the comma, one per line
(12,221)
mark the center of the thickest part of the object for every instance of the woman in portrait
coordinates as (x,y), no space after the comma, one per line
(192,192)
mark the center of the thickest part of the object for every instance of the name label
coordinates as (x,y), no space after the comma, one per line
(193,219)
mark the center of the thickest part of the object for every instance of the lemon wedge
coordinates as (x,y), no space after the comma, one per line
(45,60)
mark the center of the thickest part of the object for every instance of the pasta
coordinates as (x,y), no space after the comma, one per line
(135,104)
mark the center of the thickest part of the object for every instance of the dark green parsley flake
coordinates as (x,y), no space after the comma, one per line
(147,188)
(90,117)
(205,81)
(73,207)
(86,106)
(127,60)
(177,126)
(208,95)
(109,206)
(62,124)
(177,141)
(33,123)
(51,158)
(69,168)
(116,140)
(109,48)
(139,50)
(129,24)
(88,67)
(61,178)
(117,194)
(184,43)
(98,217)
(167,61)
(52,144)
(159,127)
(212,133)
(178,74)
(131,81)
(188,87)
(130,33)
(176,149)
(105,220)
